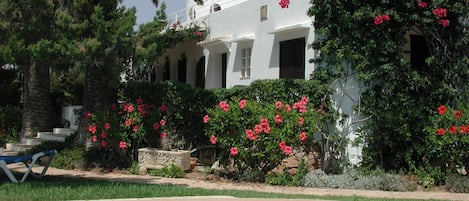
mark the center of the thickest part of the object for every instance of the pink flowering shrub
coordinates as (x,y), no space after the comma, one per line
(257,136)
(449,136)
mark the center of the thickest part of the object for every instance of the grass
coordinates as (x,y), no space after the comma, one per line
(65,188)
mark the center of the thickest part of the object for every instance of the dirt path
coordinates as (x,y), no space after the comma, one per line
(200,183)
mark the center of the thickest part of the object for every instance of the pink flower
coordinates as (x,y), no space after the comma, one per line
(302,109)
(287,150)
(258,128)
(303,136)
(103,135)
(88,115)
(278,119)
(94,138)
(139,101)
(103,143)
(282,145)
(198,33)
(264,122)
(163,108)
(242,104)
(284,3)
(156,126)
(378,20)
(129,122)
(107,126)
(213,139)
(163,135)
(301,121)
(141,109)
(440,12)
(224,106)
(304,100)
(162,122)
(122,145)
(234,151)
(422,4)
(385,17)
(135,129)
(206,119)
(444,23)
(250,134)
(92,129)
(278,104)
(287,107)
(130,108)
(267,129)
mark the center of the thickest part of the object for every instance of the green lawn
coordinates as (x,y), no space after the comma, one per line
(64,188)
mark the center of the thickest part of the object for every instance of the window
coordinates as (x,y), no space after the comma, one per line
(292,58)
(263,12)
(246,63)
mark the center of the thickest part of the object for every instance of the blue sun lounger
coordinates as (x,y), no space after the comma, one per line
(28,161)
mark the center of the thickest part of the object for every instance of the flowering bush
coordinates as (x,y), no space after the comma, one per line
(449,133)
(257,136)
(129,125)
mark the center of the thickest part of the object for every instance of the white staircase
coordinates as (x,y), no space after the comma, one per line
(58,134)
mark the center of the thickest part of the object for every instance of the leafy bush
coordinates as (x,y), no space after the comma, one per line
(173,171)
(286,179)
(355,180)
(134,168)
(10,124)
(258,136)
(69,159)
(458,184)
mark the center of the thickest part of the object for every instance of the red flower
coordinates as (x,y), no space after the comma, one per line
(250,134)
(122,145)
(441,109)
(224,106)
(278,104)
(163,135)
(198,33)
(302,109)
(282,145)
(87,115)
(278,119)
(103,135)
(440,131)
(234,151)
(267,129)
(113,107)
(303,136)
(287,150)
(107,126)
(135,129)
(385,17)
(103,143)
(213,139)
(92,129)
(162,122)
(139,101)
(287,108)
(156,126)
(305,100)
(163,108)
(301,121)
(258,128)
(94,138)
(422,4)
(378,20)
(264,122)
(242,104)
(128,122)
(440,12)
(453,129)
(130,108)
(457,114)
(444,23)
(284,3)
(206,119)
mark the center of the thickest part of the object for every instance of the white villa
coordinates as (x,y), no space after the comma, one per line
(249,40)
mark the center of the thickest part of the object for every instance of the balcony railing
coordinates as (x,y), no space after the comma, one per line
(189,14)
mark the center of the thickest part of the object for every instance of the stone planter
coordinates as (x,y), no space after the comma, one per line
(152,158)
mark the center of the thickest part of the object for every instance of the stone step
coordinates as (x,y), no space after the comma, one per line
(31,140)
(63,131)
(51,136)
(18,147)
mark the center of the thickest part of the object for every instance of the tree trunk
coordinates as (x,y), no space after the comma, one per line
(36,100)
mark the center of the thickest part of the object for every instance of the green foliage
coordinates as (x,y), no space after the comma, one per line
(185,109)
(10,124)
(259,135)
(286,179)
(351,42)
(356,180)
(134,168)
(173,171)
(69,159)
(457,184)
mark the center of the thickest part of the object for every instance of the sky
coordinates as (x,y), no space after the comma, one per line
(146,9)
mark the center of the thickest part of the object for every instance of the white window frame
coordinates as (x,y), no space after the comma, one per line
(245,68)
